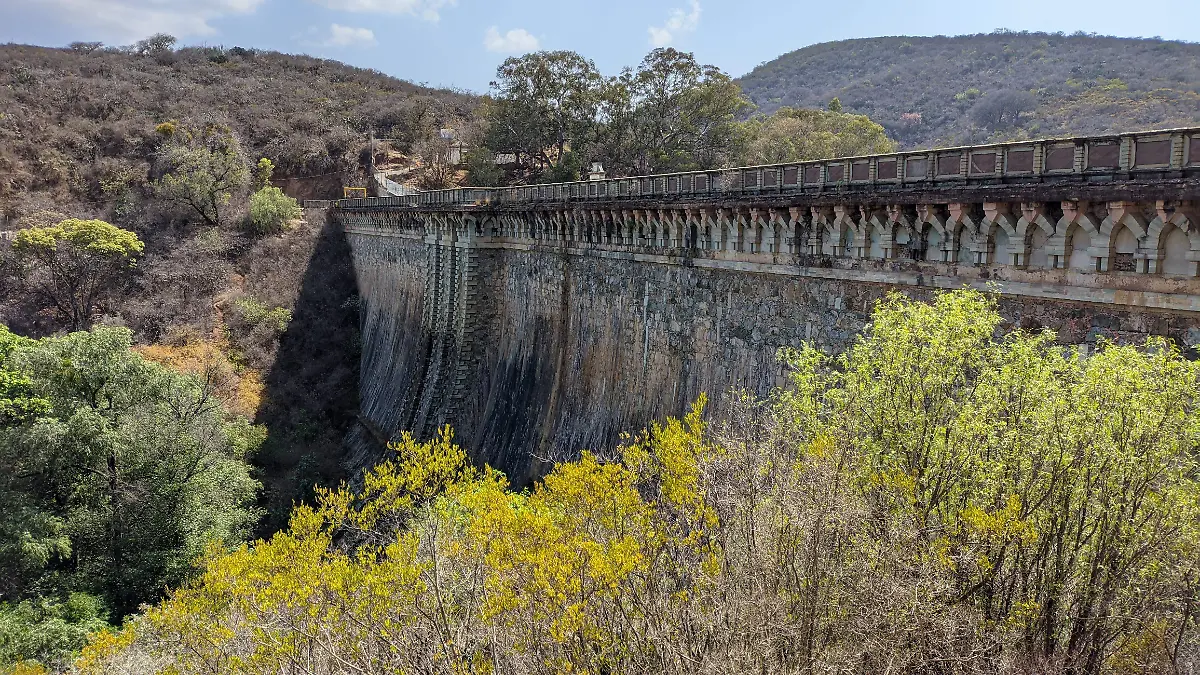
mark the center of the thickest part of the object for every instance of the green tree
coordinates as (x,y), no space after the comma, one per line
(118,487)
(263,171)
(684,114)
(544,104)
(482,170)
(793,135)
(272,211)
(203,171)
(48,632)
(76,264)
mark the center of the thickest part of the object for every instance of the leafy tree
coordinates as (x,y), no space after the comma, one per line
(792,135)
(119,486)
(684,114)
(482,170)
(75,264)
(835,105)
(18,403)
(47,632)
(940,498)
(203,171)
(272,211)
(544,103)
(262,173)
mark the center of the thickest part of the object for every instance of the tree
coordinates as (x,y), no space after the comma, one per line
(262,173)
(76,264)
(203,171)
(544,104)
(85,47)
(684,114)
(155,44)
(793,135)
(1003,109)
(482,170)
(271,211)
(940,498)
(118,486)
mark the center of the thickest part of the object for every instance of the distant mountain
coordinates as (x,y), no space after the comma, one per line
(971,88)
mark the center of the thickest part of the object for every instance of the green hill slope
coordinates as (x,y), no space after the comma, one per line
(942,90)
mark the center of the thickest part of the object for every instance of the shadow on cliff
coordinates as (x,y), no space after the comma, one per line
(311,396)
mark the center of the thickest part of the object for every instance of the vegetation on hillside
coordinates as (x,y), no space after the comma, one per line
(115,473)
(78,125)
(555,115)
(940,498)
(178,149)
(948,90)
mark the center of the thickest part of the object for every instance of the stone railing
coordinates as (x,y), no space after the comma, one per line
(1143,156)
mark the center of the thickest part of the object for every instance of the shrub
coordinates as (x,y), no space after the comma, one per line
(271,211)
(46,631)
(938,499)
(256,313)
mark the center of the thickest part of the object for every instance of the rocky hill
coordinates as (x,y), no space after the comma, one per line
(76,122)
(944,90)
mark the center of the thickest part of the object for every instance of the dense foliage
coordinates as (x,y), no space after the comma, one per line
(555,115)
(115,472)
(790,135)
(949,90)
(941,498)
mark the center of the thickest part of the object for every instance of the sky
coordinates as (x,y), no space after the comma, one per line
(459,43)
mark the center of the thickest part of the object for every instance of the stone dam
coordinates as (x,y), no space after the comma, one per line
(543,320)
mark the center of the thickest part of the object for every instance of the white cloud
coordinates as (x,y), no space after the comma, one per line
(347,36)
(127,20)
(680,21)
(515,41)
(430,10)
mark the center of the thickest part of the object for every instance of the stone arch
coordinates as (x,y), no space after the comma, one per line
(726,232)
(1175,247)
(961,242)
(1121,233)
(768,241)
(1034,230)
(873,247)
(997,237)
(1078,255)
(1036,241)
(1122,247)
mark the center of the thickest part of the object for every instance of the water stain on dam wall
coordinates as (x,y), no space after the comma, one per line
(534,353)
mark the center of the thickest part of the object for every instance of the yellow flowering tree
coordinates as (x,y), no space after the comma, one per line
(940,498)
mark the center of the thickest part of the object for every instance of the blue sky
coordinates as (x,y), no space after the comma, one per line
(460,42)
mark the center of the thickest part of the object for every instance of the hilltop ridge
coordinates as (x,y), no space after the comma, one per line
(973,88)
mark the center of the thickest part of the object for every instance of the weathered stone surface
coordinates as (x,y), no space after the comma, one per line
(534,351)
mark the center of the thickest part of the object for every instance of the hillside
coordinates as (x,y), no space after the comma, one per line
(78,125)
(946,90)
(80,137)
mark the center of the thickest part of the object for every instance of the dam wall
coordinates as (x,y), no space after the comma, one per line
(535,350)
(542,320)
